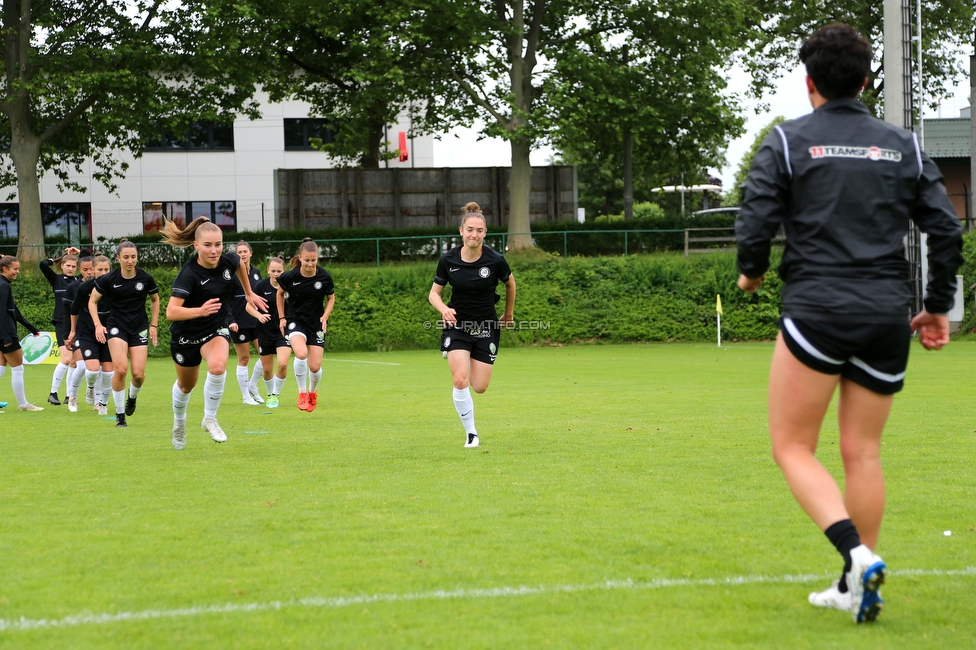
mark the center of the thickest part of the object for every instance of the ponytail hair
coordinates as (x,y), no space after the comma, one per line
(177,238)
(307,246)
(65,256)
(472,210)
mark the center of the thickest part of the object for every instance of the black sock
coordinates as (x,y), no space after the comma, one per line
(843,535)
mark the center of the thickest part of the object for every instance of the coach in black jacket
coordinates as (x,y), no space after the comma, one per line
(845,187)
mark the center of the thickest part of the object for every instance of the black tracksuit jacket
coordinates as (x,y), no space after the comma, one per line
(845,187)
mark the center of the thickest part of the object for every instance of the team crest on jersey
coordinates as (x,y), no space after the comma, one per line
(144,334)
(318,285)
(320,336)
(863,153)
(87,353)
(484,271)
(492,348)
(291,326)
(227,274)
(447,342)
(140,286)
(114,331)
(179,358)
(242,337)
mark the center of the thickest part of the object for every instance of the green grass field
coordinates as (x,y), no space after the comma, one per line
(623,496)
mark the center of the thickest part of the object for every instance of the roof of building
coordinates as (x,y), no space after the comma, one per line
(948,138)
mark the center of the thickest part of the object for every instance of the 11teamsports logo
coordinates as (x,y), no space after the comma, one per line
(863,153)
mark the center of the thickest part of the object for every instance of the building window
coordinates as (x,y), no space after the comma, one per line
(63,222)
(201,136)
(222,213)
(299,132)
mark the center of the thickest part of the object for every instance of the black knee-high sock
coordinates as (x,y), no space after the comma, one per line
(843,535)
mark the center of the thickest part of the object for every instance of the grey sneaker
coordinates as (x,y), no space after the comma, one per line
(90,395)
(30,407)
(211,426)
(868,572)
(101,409)
(179,434)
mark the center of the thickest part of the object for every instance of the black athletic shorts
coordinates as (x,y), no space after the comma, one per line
(187,353)
(92,349)
(10,346)
(270,339)
(133,339)
(313,335)
(61,331)
(873,356)
(244,335)
(482,344)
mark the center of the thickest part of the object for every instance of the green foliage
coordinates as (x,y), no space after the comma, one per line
(612,299)
(734,196)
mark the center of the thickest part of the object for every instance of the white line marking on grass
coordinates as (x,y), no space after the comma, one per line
(371,363)
(440,594)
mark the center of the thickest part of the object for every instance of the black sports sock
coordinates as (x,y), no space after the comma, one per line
(843,535)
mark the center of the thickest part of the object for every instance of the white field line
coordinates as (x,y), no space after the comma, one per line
(455,594)
(371,363)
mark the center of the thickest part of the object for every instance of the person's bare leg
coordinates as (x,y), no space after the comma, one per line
(862,415)
(798,401)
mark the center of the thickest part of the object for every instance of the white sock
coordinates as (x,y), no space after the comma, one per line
(59,372)
(119,396)
(279,383)
(106,387)
(242,380)
(258,372)
(314,379)
(301,370)
(74,380)
(213,391)
(134,390)
(269,385)
(91,379)
(465,409)
(3,370)
(180,402)
(17,380)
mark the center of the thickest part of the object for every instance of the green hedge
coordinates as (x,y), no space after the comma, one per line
(638,298)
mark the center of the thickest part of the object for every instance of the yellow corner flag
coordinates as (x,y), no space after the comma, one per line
(718,304)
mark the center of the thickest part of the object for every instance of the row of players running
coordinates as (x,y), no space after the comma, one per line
(103,332)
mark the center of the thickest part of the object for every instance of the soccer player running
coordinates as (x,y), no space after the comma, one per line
(128,331)
(199,307)
(95,354)
(303,319)
(86,271)
(10,352)
(272,345)
(845,187)
(68,263)
(247,331)
(471,329)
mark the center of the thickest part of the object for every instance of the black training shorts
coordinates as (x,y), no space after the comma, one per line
(187,354)
(871,355)
(61,331)
(313,333)
(92,349)
(132,339)
(482,343)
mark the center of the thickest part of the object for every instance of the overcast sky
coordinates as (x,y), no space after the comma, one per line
(460,147)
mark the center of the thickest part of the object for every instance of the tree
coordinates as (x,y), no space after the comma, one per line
(90,80)
(353,62)
(668,97)
(734,196)
(779,26)
(504,57)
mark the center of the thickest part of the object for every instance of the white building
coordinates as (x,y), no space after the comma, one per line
(225,173)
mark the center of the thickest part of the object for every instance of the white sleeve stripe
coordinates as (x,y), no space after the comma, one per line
(786,150)
(918,155)
(806,345)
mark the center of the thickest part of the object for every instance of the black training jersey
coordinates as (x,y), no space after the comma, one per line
(85,328)
(10,315)
(196,285)
(59,283)
(128,298)
(266,290)
(473,284)
(241,317)
(304,297)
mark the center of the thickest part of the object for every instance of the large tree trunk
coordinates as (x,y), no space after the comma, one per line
(519,185)
(371,157)
(24,153)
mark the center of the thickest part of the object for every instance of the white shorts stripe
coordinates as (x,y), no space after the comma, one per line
(877,374)
(806,345)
